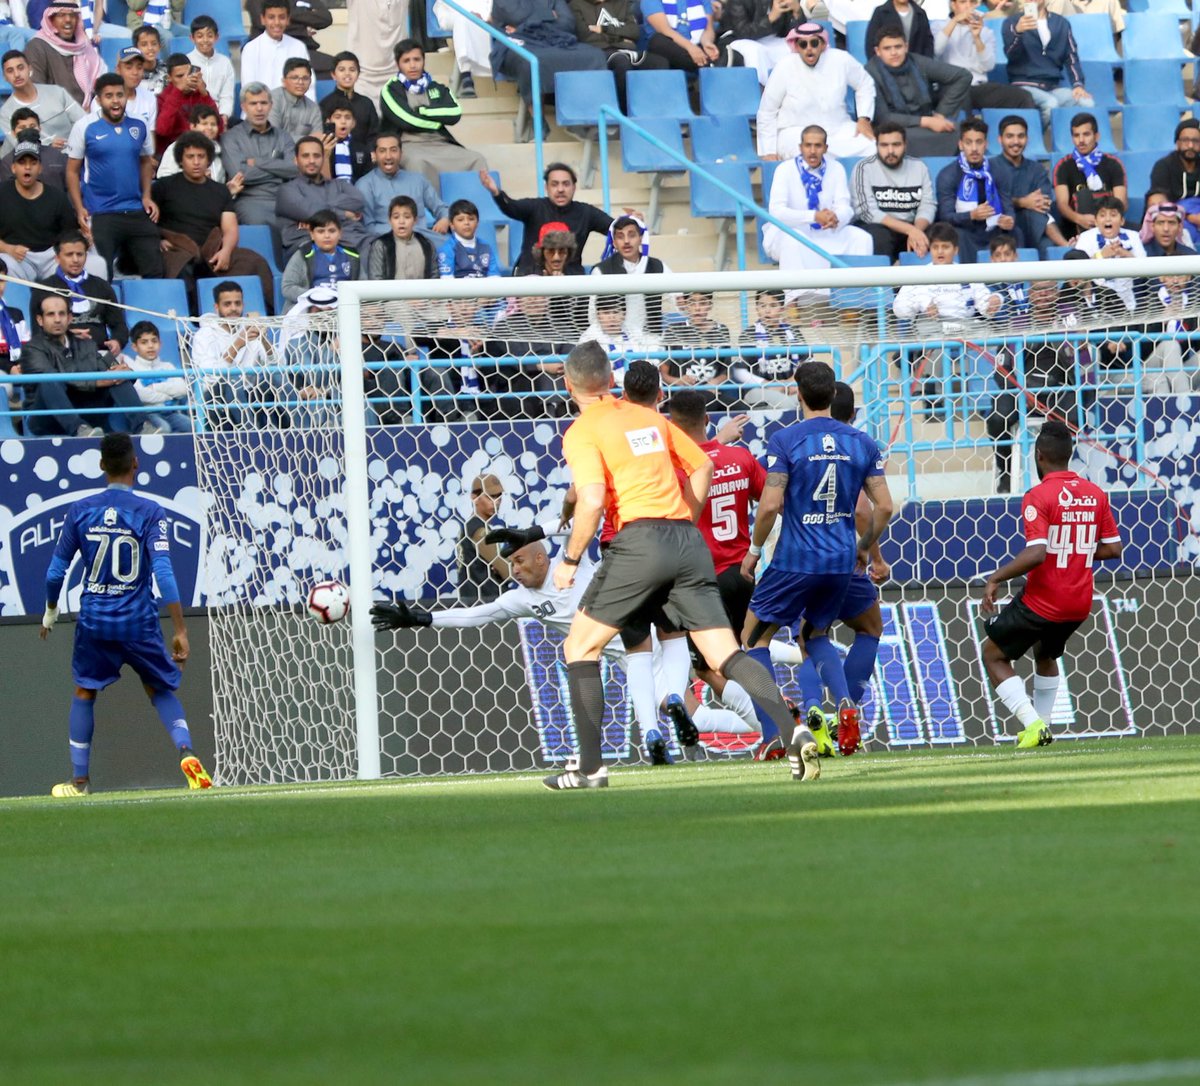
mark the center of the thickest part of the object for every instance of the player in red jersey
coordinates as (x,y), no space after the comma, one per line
(1068,526)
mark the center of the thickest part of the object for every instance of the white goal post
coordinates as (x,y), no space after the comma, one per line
(413,706)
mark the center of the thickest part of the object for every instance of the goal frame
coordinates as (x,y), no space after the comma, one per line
(353,295)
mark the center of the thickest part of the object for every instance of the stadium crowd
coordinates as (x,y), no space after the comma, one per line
(175,165)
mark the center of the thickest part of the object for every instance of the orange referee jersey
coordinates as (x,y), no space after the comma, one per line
(634,452)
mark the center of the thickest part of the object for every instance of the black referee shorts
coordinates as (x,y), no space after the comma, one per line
(656,567)
(1019,628)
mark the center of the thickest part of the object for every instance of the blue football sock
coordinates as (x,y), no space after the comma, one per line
(170,712)
(765,723)
(82,725)
(829,667)
(860,662)
(810,685)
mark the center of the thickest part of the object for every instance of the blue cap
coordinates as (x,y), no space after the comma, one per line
(128,53)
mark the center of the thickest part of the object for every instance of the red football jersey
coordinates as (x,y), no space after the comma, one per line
(1071,517)
(725,519)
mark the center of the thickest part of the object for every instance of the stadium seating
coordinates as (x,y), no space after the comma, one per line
(578,97)
(109,48)
(156,295)
(1098,78)
(1153,36)
(180,44)
(723,139)
(908,259)
(1094,37)
(639,155)
(227,13)
(1157,83)
(710,202)
(325,87)
(1149,128)
(252,295)
(1138,165)
(1178,8)
(659,95)
(729,92)
(465,185)
(856,39)
(1060,129)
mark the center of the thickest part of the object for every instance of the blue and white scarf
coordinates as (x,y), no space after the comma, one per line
(342,166)
(975,187)
(10,334)
(1087,165)
(1175,326)
(689,17)
(79,302)
(416,86)
(814,182)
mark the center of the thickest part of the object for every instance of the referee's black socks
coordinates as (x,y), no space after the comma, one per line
(587,706)
(758,682)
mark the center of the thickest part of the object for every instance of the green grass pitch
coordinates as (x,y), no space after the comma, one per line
(972,917)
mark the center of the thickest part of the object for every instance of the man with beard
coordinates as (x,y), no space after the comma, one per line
(61,53)
(628,253)
(114,203)
(968,197)
(558,205)
(311,191)
(1166,221)
(809,87)
(1175,178)
(893,195)
(1027,183)
(920,93)
(387,181)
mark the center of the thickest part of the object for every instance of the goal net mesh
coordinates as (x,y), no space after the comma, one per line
(954,380)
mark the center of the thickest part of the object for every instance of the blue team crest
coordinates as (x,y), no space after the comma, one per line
(134,131)
(828,444)
(110,517)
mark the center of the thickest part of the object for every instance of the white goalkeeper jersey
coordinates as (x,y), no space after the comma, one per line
(547,603)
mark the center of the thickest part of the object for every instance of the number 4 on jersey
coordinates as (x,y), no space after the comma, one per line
(1065,540)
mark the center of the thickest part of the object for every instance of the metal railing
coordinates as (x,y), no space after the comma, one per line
(535,78)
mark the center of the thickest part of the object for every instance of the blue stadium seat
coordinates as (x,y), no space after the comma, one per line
(1157,83)
(710,202)
(180,44)
(1153,36)
(729,92)
(856,39)
(638,155)
(1056,252)
(908,259)
(1138,165)
(1093,37)
(259,239)
(1098,78)
(1149,128)
(658,95)
(1060,129)
(155,295)
(984,257)
(935,164)
(1178,8)
(16,296)
(109,48)
(226,13)
(325,87)
(723,139)
(465,185)
(1033,122)
(578,97)
(252,294)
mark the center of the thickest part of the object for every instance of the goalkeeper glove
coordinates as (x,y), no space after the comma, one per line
(398,616)
(513,539)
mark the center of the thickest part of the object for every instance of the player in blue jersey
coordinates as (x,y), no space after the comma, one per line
(860,611)
(110,165)
(124,544)
(816,468)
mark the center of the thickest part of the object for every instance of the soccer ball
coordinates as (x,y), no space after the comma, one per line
(329,602)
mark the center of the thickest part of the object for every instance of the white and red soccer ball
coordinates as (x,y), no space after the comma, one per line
(329,601)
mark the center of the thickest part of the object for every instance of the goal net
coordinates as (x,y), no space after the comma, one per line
(349,447)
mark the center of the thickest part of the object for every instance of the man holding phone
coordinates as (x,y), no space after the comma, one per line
(184,91)
(965,41)
(292,110)
(1041,54)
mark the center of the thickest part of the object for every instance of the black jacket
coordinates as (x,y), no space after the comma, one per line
(381,257)
(96,310)
(920,39)
(615,265)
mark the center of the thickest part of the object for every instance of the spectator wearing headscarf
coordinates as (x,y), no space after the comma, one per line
(61,53)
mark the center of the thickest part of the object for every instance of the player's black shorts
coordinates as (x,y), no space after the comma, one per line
(1019,628)
(735,593)
(656,568)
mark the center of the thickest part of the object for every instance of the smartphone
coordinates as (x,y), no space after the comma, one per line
(329,128)
(1030,10)
(195,69)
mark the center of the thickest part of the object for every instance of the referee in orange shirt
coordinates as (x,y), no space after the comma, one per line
(625,456)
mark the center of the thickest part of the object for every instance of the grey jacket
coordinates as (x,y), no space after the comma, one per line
(274,154)
(295,116)
(299,198)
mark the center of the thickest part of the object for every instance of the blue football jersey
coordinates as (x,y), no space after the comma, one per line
(123,540)
(826,463)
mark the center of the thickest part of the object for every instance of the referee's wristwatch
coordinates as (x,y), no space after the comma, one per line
(569,561)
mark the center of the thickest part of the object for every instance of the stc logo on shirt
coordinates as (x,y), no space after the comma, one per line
(644,442)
